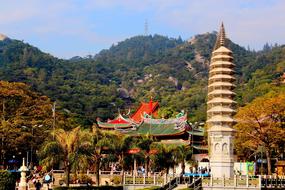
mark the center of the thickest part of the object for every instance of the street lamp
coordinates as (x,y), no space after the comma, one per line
(32,133)
(34,126)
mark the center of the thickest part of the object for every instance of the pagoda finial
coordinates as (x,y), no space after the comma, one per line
(23,163)
(221,37)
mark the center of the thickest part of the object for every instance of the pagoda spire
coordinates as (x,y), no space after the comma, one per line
(221,37)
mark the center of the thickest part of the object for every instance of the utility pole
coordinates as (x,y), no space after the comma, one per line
(2,139)
(53,115)
(3,109)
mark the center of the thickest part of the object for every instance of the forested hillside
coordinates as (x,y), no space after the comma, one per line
(172,71)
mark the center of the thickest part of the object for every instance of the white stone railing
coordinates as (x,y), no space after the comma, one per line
(237,181)
(154,179)
(108,172)
(248,182)
(157,180)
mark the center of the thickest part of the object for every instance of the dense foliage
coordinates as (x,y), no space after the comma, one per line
(26,119)
(172,71)
(259,122)
(7,180)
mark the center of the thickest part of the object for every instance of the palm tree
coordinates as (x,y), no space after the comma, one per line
(145,144)
(123,144)
(182,153)
(69,147)
(165,158)
(101,141)
(169,157)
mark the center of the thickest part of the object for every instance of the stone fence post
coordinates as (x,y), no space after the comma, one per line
(259,181)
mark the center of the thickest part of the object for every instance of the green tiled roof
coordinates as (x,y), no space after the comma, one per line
(112,126)
(157,129)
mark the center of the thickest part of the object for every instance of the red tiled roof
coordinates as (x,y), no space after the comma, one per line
(119,120)
(148,108)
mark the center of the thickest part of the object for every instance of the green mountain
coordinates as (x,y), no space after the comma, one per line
(172,71)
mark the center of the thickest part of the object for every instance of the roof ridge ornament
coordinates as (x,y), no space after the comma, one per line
(221,37)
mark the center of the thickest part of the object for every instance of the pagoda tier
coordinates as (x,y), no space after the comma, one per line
(227,71)
(220,94)
(221,78)
(221,108)
(217,93)
(217,64)
(216,85)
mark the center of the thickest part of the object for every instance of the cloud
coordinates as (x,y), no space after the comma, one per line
(247,23)
(102,22)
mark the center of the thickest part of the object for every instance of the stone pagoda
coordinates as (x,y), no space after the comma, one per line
(221,108)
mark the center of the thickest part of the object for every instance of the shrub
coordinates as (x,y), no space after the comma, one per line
(80,178)
(7,180)
(116,180)
(84,179)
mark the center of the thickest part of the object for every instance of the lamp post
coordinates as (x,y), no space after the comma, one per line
(2,139)
(27,161)
(34,126)
(31,150)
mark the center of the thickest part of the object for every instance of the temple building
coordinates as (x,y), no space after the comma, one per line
(175,130)
(221,108)
(144,121)
(172,128)
(198,143)
(125,122)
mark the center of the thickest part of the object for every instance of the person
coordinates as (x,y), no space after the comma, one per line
(143,170)
(38,185)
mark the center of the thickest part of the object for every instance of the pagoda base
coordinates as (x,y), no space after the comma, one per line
(222,169)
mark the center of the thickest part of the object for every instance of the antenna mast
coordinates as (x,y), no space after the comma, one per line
(146,28)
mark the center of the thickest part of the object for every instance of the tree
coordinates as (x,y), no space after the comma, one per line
(71,147)
(122,145)
(21,110)
(182,153)
(259,122)
(7,180)
(101,141)
(165,157)
(145,144)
